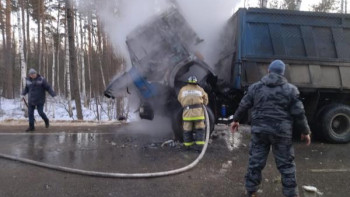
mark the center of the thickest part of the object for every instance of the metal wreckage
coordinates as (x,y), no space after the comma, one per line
(313,46)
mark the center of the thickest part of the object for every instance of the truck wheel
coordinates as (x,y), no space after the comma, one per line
(336,123)
(177,123)
(146,112)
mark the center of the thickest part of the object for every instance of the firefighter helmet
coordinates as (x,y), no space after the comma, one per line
(192,80)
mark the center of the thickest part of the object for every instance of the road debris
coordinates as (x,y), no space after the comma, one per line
(330,170)
(170,143)
(225,166)
(311,191)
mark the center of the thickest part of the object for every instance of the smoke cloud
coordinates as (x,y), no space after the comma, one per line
(120,17)
(208,18)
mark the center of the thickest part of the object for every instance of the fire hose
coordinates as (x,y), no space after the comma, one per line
(118,175)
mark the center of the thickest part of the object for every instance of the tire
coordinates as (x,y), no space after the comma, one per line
(336,123)
(177,123)
(146,112)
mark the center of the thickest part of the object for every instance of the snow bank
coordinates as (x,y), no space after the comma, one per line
(14,109)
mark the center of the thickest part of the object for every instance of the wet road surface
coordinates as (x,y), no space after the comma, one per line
(135,148)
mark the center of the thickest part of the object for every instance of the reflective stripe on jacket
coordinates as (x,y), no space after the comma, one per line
(192,94)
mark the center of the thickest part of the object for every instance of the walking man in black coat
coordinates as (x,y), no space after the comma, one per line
(36,87)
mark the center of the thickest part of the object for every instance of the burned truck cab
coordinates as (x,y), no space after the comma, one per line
(163,56)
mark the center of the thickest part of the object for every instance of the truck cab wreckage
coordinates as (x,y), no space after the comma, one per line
(313,46)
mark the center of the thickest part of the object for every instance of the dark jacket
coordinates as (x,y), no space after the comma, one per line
(36,90)
(275,107)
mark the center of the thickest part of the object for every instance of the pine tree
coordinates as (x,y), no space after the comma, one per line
(72,57)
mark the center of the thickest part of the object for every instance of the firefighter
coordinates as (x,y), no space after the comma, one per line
(275,108)
(192,98)
(36,86)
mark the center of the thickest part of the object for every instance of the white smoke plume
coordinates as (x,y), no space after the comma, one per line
(120,17)
(207,18)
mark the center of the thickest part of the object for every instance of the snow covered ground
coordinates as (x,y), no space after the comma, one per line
(11,109)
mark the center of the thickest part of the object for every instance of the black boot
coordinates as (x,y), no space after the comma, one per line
(200,140)
(198,148)
(186,148)
(252,194)
(31,128)
(188,140)
(47,123)
(200,136)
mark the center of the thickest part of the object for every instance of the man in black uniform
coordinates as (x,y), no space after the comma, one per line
(275,109)
(36,87)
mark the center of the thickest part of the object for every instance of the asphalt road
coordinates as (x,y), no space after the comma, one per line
(135,148)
